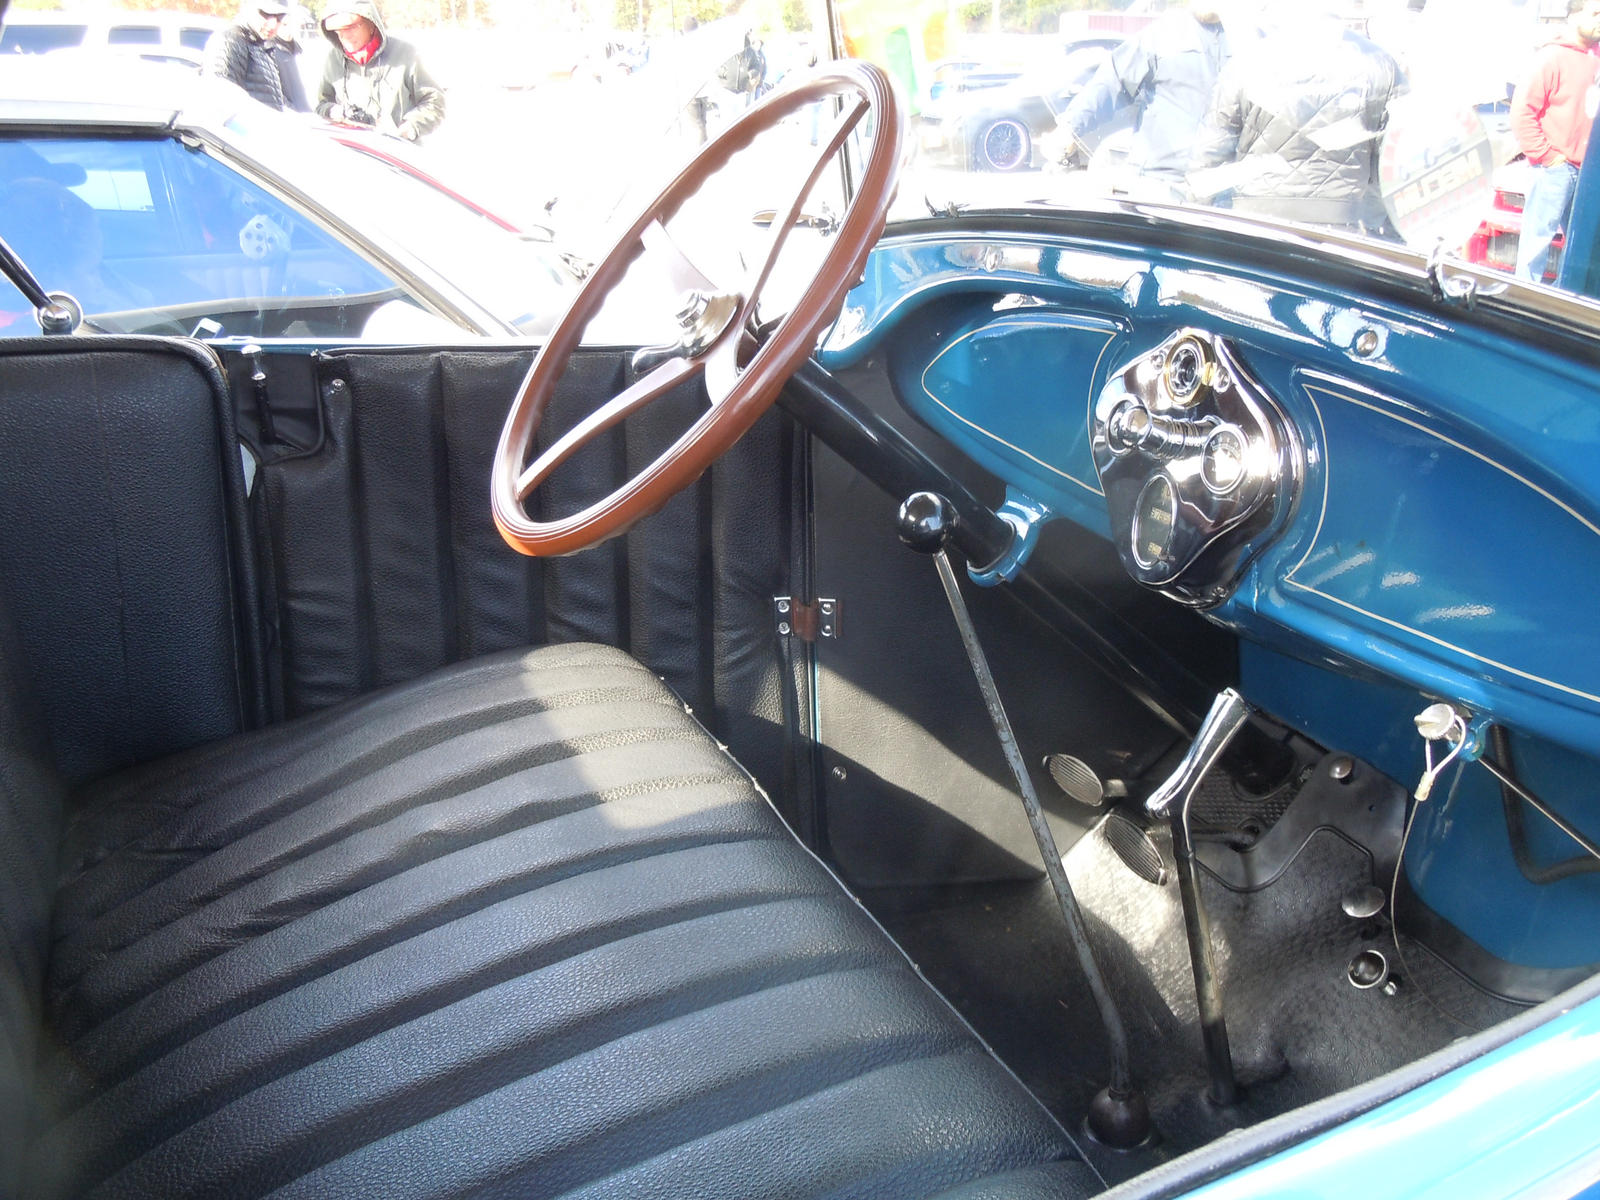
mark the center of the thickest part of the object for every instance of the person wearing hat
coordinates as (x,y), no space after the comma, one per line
(374,79)
(244,53)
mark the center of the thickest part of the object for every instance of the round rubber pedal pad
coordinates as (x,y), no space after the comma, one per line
(1137,850)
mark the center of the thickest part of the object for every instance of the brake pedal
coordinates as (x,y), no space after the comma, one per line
(1136,848)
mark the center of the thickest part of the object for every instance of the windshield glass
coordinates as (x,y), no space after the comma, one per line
(1414,123)
(1405,121)
(1453,124)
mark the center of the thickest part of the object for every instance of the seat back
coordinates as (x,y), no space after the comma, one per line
(30,832)
(126,626)
(122,560)
(382,563)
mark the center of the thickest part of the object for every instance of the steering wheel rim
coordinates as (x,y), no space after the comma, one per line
(739,394)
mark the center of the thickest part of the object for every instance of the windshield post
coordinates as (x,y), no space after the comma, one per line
(1579,271)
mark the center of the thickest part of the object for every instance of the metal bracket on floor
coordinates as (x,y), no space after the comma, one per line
(817,620)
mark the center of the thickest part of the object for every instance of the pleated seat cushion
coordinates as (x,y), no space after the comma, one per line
(520,928)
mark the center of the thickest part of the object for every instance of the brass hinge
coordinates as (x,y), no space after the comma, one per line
(818,619)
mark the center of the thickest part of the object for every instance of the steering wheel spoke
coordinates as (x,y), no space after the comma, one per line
(785,221)
(641,392)
(722,366)
(744,370)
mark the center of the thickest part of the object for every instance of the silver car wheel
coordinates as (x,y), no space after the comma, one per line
(1004,146)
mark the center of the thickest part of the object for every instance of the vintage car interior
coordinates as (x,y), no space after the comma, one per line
(1079,700)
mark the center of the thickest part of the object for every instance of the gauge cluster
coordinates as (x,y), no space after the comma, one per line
(1199,465)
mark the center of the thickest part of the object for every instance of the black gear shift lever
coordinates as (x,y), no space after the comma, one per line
(1118,1115)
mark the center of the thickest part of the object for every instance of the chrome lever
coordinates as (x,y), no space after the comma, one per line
(1171,800)
(1229,712)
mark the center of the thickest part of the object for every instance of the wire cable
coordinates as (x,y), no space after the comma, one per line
(1394,911)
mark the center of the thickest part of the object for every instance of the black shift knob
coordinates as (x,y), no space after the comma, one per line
(926,522)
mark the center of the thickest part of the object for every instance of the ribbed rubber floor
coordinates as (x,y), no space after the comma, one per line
(1222,806)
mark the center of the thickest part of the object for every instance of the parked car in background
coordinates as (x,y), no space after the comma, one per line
(41,32)
(81,60)
(969,75)
(1494,243)
(984,121)
(199,208)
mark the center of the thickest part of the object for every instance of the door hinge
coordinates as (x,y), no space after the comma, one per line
(810,622)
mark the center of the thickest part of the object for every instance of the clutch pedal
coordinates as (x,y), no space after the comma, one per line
(1131,840)
(1082,783)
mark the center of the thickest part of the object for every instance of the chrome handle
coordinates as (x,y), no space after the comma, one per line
(1229,711)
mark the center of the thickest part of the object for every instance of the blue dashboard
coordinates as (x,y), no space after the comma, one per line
(1437,539)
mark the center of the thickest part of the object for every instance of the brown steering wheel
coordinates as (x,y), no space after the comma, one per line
(716,323)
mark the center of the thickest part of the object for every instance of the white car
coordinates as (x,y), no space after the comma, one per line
(199,209)
(42,32)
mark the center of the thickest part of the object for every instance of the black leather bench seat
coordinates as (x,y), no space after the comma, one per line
(520,928)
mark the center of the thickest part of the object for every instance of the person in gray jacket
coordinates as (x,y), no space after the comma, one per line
(374,79)
(1160,78)
(1296,124)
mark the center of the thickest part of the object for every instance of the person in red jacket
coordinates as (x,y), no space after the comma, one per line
(1551,115)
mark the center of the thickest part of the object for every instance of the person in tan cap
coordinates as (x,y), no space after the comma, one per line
(374,79)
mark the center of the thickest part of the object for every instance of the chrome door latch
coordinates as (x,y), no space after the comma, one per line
(1453,286)
(817,620)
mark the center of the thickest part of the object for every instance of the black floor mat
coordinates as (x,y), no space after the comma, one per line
(1299,1030)
(1222,806)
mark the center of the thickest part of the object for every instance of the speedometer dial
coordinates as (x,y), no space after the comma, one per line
(1155,519)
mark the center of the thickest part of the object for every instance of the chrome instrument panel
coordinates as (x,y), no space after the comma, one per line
(1200,466)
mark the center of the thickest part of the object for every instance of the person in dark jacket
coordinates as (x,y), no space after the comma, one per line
(245,53)
(1162,77)
(1296,121)
(372,78)
(286,52)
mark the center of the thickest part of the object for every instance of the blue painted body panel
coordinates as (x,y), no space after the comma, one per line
(1037,353)
(1446,544)
(1521,1121)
